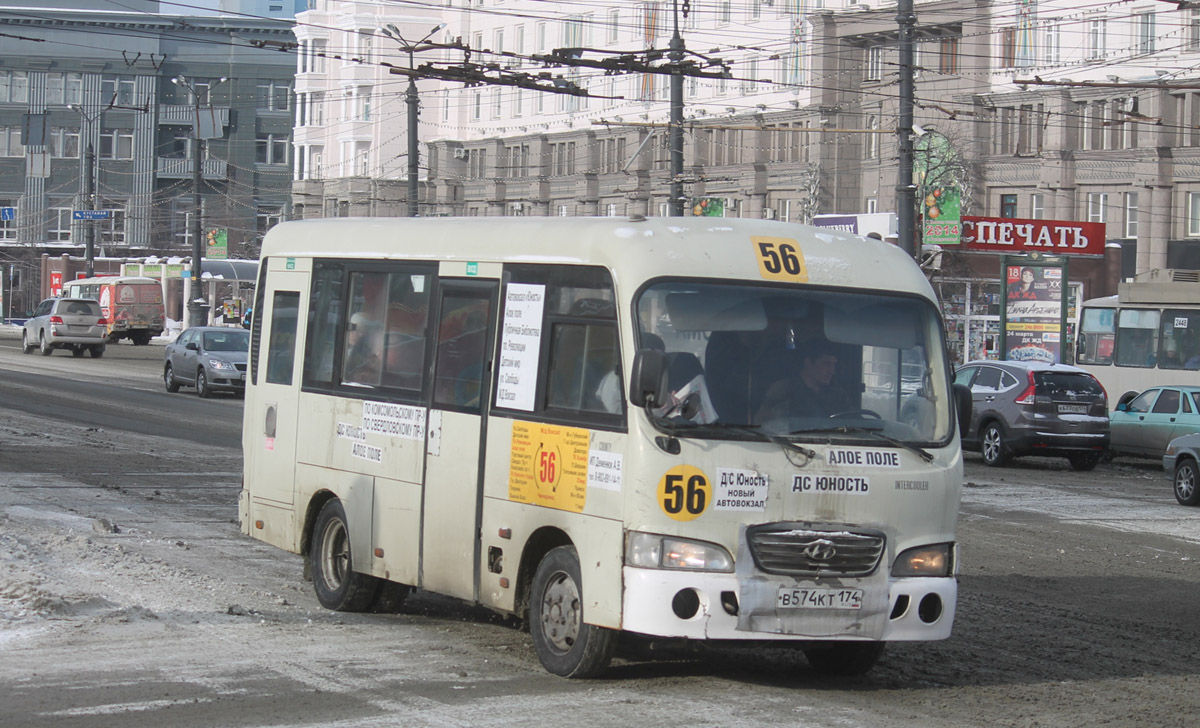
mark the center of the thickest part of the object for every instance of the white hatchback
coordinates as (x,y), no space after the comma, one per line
(76,324)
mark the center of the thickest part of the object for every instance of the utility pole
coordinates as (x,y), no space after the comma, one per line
(197,307)
(88,182)
(414,109)
(906,201)
(675,55)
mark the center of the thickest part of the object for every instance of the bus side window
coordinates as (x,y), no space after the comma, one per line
(281,350)
(325,315)
(462,338)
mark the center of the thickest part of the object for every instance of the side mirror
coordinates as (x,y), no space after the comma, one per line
(648,380)
(193,346)
(962,408)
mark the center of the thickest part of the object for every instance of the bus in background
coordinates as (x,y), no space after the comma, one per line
(132,305)
(602,425)
(1146,335)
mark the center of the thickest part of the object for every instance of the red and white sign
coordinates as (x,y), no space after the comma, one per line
(1051,237)
(56,282)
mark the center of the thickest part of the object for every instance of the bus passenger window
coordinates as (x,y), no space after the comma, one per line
(461,349)
(1137,337)
(364,329)
(405,323)
(281,350)
(583,368)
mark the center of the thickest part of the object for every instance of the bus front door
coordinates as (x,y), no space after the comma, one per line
(454,465)
(269,433)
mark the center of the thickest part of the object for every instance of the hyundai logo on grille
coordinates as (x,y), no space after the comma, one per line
(822,550)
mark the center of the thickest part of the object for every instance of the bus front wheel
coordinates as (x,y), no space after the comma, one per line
(564,643)
(338,586)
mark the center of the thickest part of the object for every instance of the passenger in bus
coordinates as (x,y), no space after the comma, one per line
(364,350)
(809,393)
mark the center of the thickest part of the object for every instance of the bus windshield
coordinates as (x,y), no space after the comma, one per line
(806,364)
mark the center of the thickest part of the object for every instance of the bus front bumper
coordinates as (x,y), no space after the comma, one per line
(705,605)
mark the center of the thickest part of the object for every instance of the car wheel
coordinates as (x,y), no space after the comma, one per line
(564,643)
(26,347)
(77,351)
(169,379)
(44,346)
(1186,482)
(844,658)
(202,387)
(1084,460)
(338,586)
(992,446)
(140,338)
(97,351)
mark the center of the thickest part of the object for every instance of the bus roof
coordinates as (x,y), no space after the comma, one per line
(633,249)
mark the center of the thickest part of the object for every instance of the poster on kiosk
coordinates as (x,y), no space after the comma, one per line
(1034,310)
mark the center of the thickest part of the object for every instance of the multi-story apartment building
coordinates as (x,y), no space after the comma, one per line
(97,110)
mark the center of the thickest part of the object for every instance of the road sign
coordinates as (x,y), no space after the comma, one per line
(91,214)
(8,213)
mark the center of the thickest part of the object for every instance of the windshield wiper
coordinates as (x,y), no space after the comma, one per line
(846,429)
(753,431)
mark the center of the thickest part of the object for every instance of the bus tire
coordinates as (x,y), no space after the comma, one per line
(992,445)
(1187,483)
(844,659)
(565,644)
(338,586)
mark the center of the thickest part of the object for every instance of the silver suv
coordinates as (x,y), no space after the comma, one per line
(1028,408)
(76,324)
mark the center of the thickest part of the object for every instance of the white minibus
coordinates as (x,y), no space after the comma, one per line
(693,428)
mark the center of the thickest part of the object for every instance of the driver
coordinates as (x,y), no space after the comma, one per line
(810,392)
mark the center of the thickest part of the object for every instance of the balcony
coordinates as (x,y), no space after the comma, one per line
(185,113)
(181,168)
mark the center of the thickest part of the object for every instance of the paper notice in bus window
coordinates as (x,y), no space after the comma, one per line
(520,342)
(549,466)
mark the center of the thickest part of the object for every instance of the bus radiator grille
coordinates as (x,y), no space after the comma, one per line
(796,550)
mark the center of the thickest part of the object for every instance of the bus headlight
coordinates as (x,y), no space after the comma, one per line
(924,561)
(651,551)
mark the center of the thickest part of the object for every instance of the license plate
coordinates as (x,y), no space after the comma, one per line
(791,597)
(1073,409)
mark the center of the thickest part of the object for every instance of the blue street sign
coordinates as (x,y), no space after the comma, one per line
(8,213)
(91,214)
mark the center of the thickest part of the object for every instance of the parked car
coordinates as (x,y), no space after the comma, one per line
(1030,408)
(1180,462)
(209,358)
(1142,424)
(75,324)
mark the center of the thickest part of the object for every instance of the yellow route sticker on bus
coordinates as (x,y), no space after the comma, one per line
(549,466)
(684,492)
(779,259)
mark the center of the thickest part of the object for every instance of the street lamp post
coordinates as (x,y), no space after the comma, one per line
(87,183)
(675,132)
(197,307)
(413,101)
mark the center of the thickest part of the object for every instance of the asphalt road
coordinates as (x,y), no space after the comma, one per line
(129,598)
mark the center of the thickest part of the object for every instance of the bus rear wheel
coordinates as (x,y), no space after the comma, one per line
(564,643)
(338,586)
(844,659)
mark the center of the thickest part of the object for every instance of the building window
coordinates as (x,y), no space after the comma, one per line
(64,143)
(874,63)
(1097,203)
(1037,206)
(14,87)
(117,90)
(871,144)
(320,47)
(58,226)
(1145,30)
(724,12)
(116,144)
(267,217)
(872,207)
(1052,43)
(1193,214)
(112,230)
(10,142)
(273,96)
(271,149)
(1008,206)
(1192,38)
(1131,214)
(948,55)
(364,104)
(1097,38)
(614,26)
